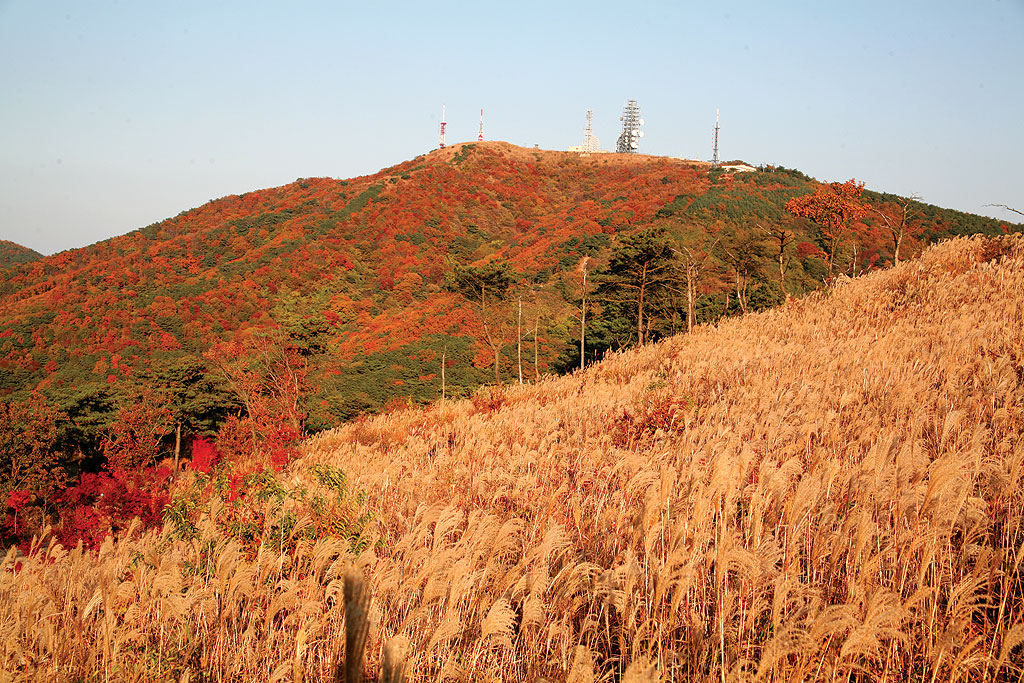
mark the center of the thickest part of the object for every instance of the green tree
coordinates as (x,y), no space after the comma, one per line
(198,402)
(486,288)
(744,252)
(302,319)
(639,276)
(87,407)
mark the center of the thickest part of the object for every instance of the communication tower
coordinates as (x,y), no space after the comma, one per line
(443,124)
(480,135)
(590,142)
(629,140)
(714,155)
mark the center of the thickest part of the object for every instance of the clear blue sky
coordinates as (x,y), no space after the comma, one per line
(115,115)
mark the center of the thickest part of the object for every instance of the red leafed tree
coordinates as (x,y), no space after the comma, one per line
(134,438)
(834,208)
(268,376)
(28,436)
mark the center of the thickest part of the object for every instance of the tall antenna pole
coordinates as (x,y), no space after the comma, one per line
(590,143)
(443,124)
(714,157)
(480,135)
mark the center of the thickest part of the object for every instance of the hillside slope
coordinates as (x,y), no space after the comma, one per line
(352,274)
(12,254)
(827,491)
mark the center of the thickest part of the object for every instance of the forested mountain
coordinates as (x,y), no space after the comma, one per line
(12,254)
(284,311)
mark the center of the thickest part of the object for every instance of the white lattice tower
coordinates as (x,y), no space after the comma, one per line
(629,139)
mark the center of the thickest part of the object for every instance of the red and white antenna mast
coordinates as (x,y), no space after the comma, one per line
(443,124)
(480,135)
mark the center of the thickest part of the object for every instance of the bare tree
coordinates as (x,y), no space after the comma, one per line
(781,238)
(1008,208)
(743,252)
(444,361)
(536,351)
(582,272)
(897,221)
(519,339)
(583,307)
(694,261)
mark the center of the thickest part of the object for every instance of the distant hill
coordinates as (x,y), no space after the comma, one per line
(356,275)
(12,254)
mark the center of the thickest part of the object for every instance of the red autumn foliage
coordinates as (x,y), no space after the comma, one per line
(805,249)
(133,440)
(18,499)
(105,503)
(205,456)
(833,207)
(28,437)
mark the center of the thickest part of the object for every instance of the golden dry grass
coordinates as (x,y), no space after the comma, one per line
(830,491)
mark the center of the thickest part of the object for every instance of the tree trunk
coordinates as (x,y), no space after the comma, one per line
(497,356)
(519,339)
(640,309)
(583,316)
(536,364)
(782,269)
(496,347)
(177,445)
(444,358)
(832,257)
(690,307)
(583,320)
(741,293)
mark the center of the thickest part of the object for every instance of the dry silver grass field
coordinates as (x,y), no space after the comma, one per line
(830,491)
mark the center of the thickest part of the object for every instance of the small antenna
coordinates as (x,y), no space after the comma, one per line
(714,156)
(480,135)
(443,124)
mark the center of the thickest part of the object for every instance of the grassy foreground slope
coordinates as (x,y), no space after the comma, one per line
(827,491)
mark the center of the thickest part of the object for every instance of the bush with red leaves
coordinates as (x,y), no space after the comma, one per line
(205,456)
(106,502)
